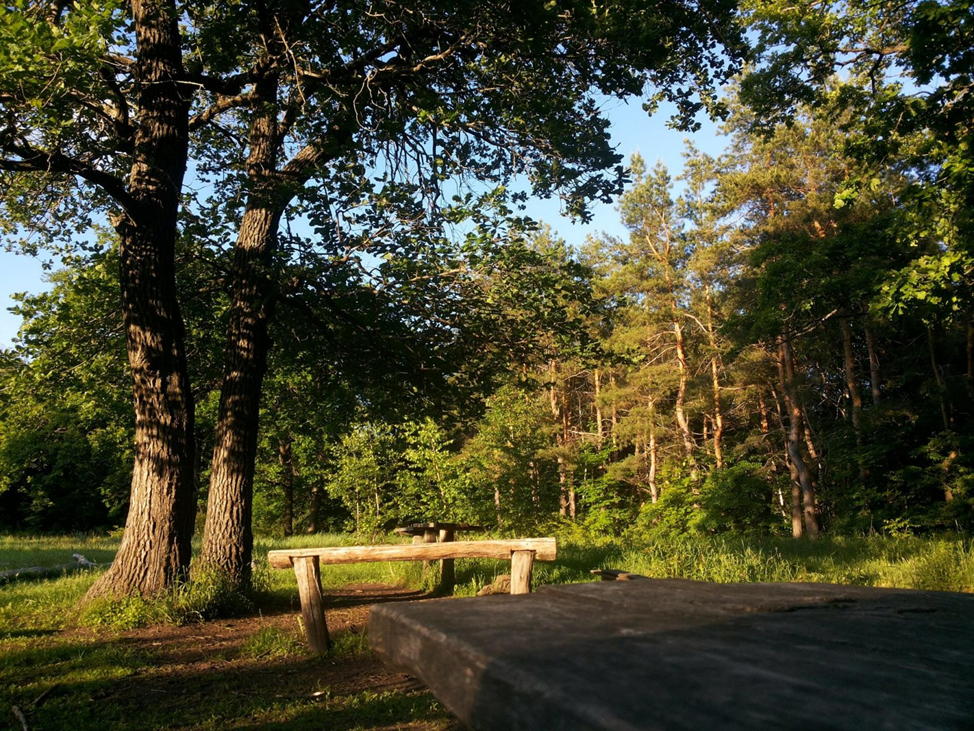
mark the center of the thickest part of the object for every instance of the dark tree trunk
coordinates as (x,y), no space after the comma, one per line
(795,424)
(873,366)
(287,483)
(938,379)
(715,382)
(855,396)
(314,514)
(228,535)
(155,549)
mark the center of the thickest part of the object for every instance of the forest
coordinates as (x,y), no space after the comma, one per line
(299,295)
(344,321)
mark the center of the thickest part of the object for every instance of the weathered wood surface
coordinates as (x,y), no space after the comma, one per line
(419,529)
(545,550)
(616,575)
(448,572)
(522,568)
(675,654)
(308,575)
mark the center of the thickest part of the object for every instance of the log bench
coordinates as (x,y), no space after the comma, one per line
(307,562)
(439,532)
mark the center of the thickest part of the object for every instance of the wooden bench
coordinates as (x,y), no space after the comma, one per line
(307,562)
(439,532)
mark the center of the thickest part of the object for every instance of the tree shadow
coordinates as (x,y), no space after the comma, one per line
(21,634)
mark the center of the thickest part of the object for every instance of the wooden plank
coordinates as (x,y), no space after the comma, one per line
(522,566)
(616,575)
(545,549)
(307,572)
(448,575)
(662,654)
(429,536)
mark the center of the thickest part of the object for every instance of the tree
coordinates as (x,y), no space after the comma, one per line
(76,114)
(366,118)
(362,116)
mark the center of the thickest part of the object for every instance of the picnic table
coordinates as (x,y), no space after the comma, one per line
(677,654)
(439,532)
(307,562)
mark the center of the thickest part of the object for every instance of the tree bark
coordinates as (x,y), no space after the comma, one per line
(314,514)
(653,456)
(970,353)
(795,421)
(849,366)
(855,396)
(715,382)
(873,366)
(938,379)
(286,462)
(155,549)
(558,414)
(599,416)
(681,417)
(228,534)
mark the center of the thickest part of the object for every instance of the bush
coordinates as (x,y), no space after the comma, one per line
(736,499)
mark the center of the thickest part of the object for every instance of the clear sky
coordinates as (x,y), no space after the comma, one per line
(632,131)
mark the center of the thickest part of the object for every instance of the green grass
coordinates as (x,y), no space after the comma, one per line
(85,672)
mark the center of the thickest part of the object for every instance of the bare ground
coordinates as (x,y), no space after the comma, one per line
(210,675)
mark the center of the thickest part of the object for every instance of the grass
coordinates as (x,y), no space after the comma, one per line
(255,673)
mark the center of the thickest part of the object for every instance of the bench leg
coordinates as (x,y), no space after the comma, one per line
(429,536)
(522,566)
(447,567)
(308,574)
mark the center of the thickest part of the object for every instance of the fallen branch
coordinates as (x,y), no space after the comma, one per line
(20,717)
(80,562)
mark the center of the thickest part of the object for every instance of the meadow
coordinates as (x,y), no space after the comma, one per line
(200,659)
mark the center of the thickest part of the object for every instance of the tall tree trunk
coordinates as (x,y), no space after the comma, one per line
(314,514)
(797,530)
(681,393)
(795,420)
(763,409)
(653,457)
(558,414)
(228,534)
(873,366)
(796,491)
(155,549)
(855,397)
(849,366)
(286,462)
(614,415)
(938,379)
(599,417)
(718,418)
(970,353)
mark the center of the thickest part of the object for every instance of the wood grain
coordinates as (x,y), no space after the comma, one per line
(522,566)
(545,549)
(307,572)
(664,654)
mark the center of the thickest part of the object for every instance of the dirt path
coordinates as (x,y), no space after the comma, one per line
(220,675)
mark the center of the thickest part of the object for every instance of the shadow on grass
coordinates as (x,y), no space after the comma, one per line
(20,558)
(110,685)
(346,601)
(21,634)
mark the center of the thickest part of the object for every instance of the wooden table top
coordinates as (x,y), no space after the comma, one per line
(676,654)
(420,528)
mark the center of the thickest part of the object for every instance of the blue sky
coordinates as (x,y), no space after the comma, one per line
(632,130)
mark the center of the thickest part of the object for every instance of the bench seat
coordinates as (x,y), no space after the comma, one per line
(307,562)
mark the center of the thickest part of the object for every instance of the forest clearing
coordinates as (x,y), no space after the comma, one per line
(303,288)
(161,665)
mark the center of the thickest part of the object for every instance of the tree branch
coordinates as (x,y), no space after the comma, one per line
(54,162)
